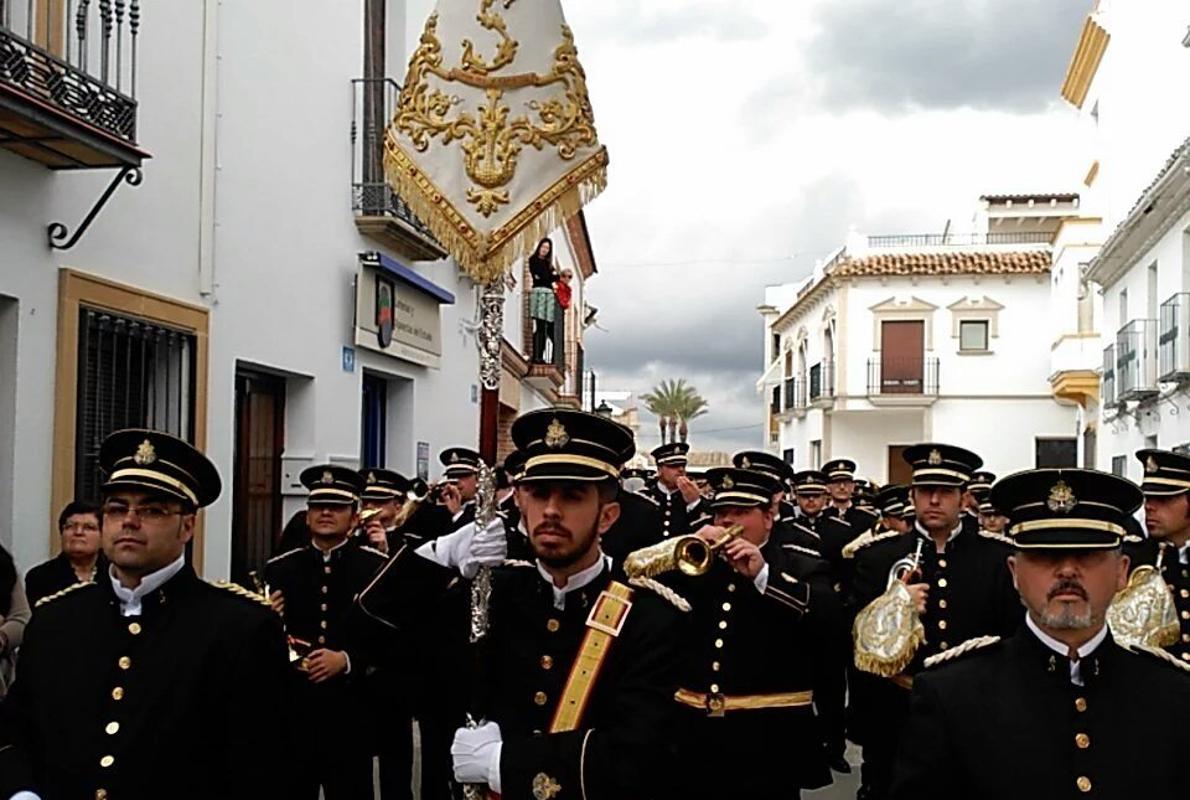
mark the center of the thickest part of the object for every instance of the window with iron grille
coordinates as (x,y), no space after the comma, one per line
(131,374)
(1119,466)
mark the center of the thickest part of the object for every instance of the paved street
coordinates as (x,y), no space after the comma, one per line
(845,785)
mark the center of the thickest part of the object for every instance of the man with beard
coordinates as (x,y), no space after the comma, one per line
(1059,709)
(578,669)
(137,685)
(1166,487)
(313,588)
(747,680)
(962,589)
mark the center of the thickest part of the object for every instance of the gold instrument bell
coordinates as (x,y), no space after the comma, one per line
(888,631)
(691,555)
(1143,612)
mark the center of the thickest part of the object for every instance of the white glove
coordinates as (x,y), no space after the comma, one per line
(476,755)
(489,548)
(25,795)
(449,549)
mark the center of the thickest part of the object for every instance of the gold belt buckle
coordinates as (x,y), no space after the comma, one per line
(716,705)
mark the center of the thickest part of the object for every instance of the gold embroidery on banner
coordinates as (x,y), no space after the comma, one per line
(492,140)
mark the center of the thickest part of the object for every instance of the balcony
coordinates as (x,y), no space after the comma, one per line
(903,380)
(547,369)
(959,240)
(379,212)
(1136,360)
(794,396)
(68,83)
(822,383)
(1107,386)
(1173,340)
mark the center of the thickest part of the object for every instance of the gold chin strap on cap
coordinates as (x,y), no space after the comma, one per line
(603,626)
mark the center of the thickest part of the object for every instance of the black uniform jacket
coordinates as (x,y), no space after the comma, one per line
(971,592)
(1177,577)
(55,575)
(639,525)
(744,642)
(180,701)
(675,516)
(619,748)
(1006,721)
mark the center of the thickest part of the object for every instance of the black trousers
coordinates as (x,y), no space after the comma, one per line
(333,750)
(393,744)
(830,693)
(437,768)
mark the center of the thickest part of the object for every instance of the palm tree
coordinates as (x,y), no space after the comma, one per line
(675,403)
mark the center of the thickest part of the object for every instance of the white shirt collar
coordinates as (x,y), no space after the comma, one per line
(1184,553)
(326,554)
(130,599)
(954,533)
(1076,675)
(577,581)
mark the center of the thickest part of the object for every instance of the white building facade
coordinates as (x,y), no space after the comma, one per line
(898,340)
(260,293)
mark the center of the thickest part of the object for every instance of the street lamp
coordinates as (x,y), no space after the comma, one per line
(604,410)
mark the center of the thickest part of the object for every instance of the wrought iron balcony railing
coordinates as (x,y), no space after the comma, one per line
(822,381)
(1107,386)
(68,82)
(909,375)
(1173,339)
(959,239)
(1136,360)
(379,210)
(794,394)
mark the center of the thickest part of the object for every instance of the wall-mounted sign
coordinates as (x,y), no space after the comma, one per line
(348,359)
(398,311)
(384,311)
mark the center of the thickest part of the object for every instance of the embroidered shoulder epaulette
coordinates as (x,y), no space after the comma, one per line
(797,548)
(997,537)
(645,494)
(1160,655)
(797,523)
(1132,538)
(240,591)
(286,554)
(969,646)
(840,521)
(62,593)
(879,537)
(371,549)
(856,543)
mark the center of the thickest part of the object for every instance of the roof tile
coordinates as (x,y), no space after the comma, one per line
(1026,262)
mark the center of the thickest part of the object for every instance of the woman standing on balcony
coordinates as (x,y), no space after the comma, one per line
(541,296)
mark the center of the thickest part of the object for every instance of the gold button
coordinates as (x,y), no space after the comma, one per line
(118,693)
(715,688)
(727,606)
(731,587)
(101,794)
(539,698)
(322,640)
(942,563)
(1080,704)
(715,666)
(1186,656)
(107,761)
(1082,740)
(943,646)
(941,624)
(1186,615)
(722,624)
(1185,593)
(942,582)
(553,625)
(1083,783)
(719,643)
(942,604)
(1186,637)
(134,628)
(547,662)
(324,590)
(125,662)
(111,728)
(327,569)
(322,607)
(322,624)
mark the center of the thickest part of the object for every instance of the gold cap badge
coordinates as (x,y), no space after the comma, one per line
(1061,499)
(327,477)
(454,458)
(556,435)
(934,458)
(545,787)
(728,483)
(371,477)
(745,463)
(1151,464)
(145,453)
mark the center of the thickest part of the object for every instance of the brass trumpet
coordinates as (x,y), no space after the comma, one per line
(690,555)
(908,568)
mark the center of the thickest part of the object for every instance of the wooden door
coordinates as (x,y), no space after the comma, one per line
(256,483)
(902,357)
(899,471)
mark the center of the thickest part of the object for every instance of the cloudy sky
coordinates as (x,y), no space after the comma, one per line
(746,136)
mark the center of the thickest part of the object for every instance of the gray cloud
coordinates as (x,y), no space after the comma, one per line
(905,54)
(656,26)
